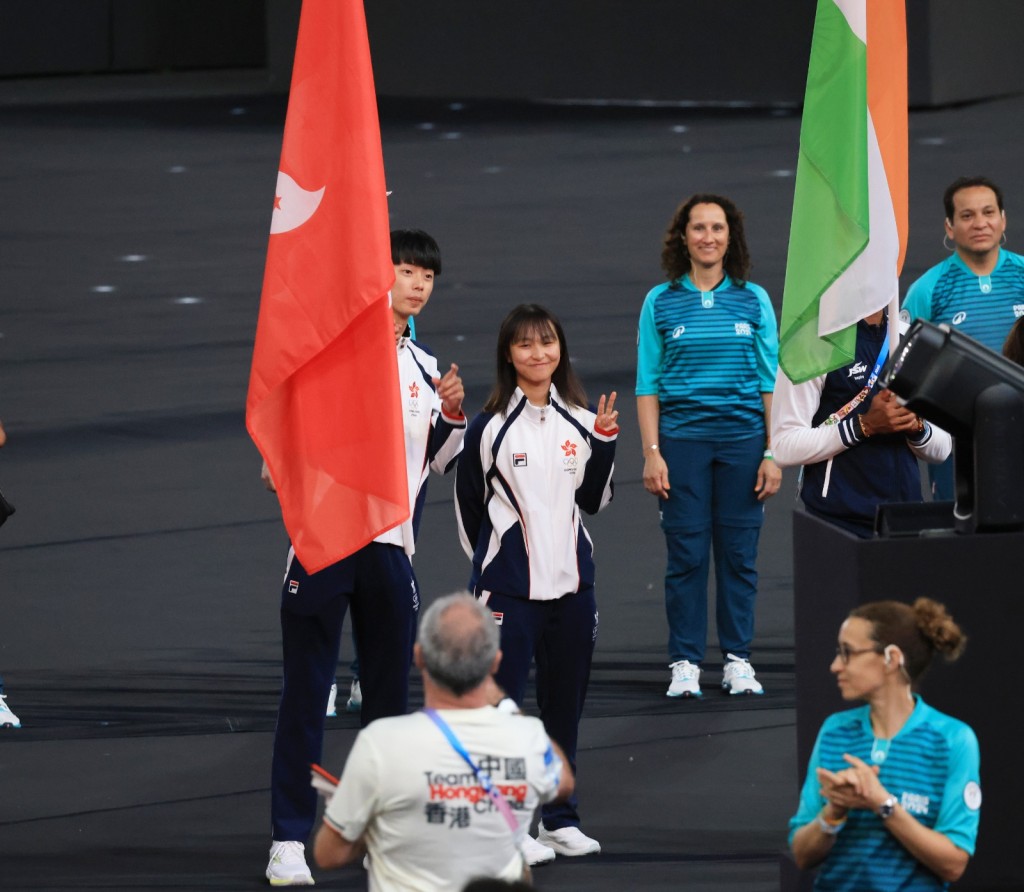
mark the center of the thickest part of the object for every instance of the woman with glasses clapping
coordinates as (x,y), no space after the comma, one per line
(892,798)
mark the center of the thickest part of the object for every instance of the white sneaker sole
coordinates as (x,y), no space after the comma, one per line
(747,693)
(282,881)
(572,853)
(538,859)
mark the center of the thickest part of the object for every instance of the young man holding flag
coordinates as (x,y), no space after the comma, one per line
(347,413)
(377,581)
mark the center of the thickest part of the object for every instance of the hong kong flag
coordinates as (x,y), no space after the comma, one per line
(324,405)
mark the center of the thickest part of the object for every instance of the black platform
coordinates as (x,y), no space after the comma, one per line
(977,578)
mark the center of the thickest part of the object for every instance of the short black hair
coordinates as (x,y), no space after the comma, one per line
(968,183)
(416,247)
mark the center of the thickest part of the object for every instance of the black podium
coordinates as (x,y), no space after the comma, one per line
(978,577)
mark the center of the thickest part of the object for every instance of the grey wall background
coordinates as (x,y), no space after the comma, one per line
(660,51)
(46,37)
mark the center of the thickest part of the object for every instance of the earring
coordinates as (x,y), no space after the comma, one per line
(1002,241)
(947,245)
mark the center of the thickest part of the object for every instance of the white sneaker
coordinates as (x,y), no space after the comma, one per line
(8,719)
(287,865)
(569,841)
(738,677)
(535,852)
(355,697)
(332,701)
(685,680)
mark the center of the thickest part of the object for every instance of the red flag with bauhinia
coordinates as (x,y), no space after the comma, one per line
(323,405)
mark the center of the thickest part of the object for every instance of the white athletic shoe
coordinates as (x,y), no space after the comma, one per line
(332,701)
(355,697)
(536,853)
(287,865)
(738,677)
(569,841)
(7,718)
(685,680)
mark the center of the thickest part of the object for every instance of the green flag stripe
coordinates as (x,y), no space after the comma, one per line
(830,225)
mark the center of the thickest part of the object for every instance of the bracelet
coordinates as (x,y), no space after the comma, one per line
(860,424)
(768,454)
(828,827)
(652,448)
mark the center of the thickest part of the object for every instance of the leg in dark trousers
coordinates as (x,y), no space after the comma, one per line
(385,605)
(561,634)
(737,519)
(564,656)
(521,623)
(312,612)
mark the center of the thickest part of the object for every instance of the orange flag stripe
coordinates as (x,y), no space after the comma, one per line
(887,102)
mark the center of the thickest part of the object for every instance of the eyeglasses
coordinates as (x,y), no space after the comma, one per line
(844,652)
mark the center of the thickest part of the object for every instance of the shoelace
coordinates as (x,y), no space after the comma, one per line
(290,853)
(739,669)
(684,672)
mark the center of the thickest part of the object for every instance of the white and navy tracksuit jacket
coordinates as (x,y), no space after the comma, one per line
(522,480)
(521,483)
(433,440)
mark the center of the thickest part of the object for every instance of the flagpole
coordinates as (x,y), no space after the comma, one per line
(894,324)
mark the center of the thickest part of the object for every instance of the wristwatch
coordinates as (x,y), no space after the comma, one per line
(885,810)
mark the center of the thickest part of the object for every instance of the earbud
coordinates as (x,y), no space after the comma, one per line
(888,655)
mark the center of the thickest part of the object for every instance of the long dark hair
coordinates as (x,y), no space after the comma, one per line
(528,319)
(675,259)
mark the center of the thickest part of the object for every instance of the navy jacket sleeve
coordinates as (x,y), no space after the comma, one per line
(597,489)
(445,442)
(470,487)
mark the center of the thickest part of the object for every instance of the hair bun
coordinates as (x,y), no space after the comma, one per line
(939,628)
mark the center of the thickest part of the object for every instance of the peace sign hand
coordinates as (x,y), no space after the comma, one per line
(607,419)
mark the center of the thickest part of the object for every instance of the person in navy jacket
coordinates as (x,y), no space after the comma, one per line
(858,446)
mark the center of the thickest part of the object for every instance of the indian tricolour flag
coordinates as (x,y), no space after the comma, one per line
(849,231)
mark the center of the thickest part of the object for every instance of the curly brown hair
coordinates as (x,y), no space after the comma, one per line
(675,260)
(920,631)
(1013,348)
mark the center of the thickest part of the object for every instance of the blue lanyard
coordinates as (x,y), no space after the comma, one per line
(481,776)
(840,414)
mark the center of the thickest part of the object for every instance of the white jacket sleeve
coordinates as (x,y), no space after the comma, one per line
(794,440)
(934,446)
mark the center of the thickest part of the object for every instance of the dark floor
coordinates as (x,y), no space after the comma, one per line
(139,578)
